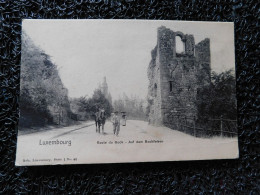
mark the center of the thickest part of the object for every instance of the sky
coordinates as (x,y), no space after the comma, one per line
(87,50)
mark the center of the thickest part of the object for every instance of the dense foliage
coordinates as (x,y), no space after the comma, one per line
(85,108)
(43,97)
(219,98)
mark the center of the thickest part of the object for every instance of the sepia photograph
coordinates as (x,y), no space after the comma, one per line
(122,91)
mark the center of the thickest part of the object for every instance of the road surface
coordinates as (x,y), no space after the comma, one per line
(137,142)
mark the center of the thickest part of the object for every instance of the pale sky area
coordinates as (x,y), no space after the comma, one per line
(87,50)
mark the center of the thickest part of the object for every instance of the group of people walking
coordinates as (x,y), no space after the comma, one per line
(115,119)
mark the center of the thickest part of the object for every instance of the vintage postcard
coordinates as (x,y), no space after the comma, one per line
(113,91)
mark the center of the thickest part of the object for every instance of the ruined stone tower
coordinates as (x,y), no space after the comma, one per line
(175,77)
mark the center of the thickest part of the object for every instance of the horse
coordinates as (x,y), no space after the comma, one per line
(101,119)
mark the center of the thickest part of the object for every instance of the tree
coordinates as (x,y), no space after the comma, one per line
(99,101)
(43,98)
(133,106)
(219,98)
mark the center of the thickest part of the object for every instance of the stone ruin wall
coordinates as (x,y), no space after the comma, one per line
(174,78)
(154,88)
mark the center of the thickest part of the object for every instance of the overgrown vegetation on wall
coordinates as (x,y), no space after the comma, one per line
(43,97)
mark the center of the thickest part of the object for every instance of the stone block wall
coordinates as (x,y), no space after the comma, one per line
(175,77)
(154,95)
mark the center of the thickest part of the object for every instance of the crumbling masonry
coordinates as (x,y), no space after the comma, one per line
(175,78)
